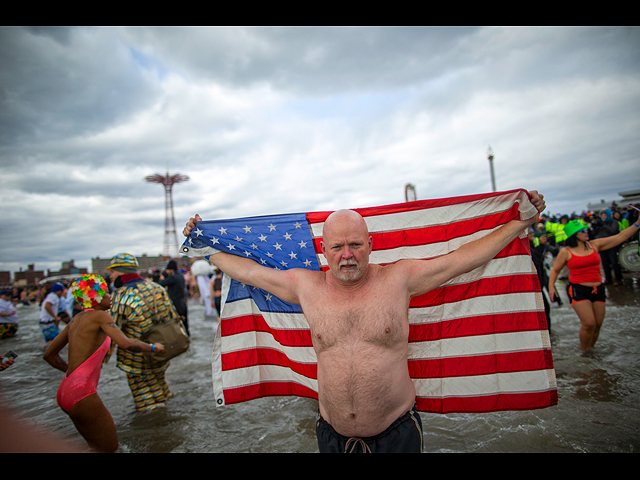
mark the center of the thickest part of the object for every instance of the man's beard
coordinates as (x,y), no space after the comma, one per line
(348,275)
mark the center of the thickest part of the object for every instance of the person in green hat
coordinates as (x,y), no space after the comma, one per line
(585,288)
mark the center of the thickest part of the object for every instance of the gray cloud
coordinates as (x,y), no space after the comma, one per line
(305,60)
(59,83)
(272,120)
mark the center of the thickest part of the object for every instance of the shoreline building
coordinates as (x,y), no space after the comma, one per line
(628,197)
(147,263)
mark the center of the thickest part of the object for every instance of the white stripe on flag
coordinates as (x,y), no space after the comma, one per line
(478,385)
(478,345)
(241,377)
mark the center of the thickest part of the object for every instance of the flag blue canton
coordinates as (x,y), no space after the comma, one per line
(275,241)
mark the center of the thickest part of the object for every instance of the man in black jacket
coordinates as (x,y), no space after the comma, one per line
(174,281)
(609,257)
(539,249)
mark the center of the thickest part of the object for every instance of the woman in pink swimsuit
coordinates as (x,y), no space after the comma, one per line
(586,289)
(89,336)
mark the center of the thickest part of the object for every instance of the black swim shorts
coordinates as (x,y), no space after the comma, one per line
(581,293)
(402,436)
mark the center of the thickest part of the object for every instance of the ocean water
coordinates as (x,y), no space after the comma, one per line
(598,408)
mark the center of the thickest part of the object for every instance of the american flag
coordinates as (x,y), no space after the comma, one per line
(478,343)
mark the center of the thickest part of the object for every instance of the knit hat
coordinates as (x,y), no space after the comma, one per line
(573,227)
(57,287)
(124,262)
(172,265)
(89,290)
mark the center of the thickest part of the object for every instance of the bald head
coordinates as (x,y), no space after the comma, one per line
(341,219)
(346,244)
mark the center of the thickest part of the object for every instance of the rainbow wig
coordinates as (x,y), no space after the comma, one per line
(89,290)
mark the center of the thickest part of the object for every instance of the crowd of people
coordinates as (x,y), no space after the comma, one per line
(601,224)
(180,281)
(583,248)
(28,294)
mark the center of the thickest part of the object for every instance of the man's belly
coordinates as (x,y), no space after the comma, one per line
(365,390)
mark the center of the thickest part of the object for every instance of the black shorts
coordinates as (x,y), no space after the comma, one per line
(402,436)
(581,293)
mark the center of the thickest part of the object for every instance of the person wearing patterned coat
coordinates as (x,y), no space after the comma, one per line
(132,308)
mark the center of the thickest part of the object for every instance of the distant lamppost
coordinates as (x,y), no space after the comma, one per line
(170,236)
(490,157)
(410,192)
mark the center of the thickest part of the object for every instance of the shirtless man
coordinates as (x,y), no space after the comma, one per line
(358,318)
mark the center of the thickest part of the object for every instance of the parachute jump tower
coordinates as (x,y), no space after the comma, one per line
(170,236)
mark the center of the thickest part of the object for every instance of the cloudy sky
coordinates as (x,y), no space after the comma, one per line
(278,120)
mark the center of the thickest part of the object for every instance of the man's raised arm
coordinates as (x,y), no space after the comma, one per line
(425,275)
(281,283)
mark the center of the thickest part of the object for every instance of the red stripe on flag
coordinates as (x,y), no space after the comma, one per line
(517,247)
(481,364)
(256,323)
(266,356)
(267,389)
(489,403)
(481,325)
(480,288)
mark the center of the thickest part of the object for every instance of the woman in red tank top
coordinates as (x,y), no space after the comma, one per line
(586,289)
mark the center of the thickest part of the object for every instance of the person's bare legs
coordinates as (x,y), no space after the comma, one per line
(599,311)
(591,316)
(94,422)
